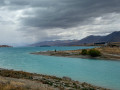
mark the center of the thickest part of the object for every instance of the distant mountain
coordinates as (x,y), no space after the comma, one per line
(54,43)
(113,37)
(86,40)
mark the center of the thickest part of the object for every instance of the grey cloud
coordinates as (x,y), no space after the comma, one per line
(40,20)
(19,2)
(2,3)
(62,13)
(69,13)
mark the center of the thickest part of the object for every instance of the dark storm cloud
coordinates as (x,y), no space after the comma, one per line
(61,13)
(38,20)
(2,3)
(67,13)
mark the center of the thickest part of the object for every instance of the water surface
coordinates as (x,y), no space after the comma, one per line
(98,72)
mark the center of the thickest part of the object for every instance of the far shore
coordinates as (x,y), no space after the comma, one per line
(5,46)
(107,53)
(20,80)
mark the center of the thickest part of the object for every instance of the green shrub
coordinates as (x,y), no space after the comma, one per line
(55,50)
(94,52)
(84,52)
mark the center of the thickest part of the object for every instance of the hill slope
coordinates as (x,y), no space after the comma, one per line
(113,37)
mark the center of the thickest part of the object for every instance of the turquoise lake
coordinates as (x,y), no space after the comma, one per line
(103,73)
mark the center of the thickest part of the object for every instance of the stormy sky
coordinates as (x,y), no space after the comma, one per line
(28,21)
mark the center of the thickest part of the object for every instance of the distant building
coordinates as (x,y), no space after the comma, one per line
(100,44)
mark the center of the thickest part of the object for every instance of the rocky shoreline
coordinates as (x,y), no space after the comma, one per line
(42,81)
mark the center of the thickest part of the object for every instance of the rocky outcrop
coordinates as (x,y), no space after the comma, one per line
(5,46)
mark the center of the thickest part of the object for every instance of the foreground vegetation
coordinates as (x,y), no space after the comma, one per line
(19,80)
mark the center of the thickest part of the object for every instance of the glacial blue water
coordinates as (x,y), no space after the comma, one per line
(97,72)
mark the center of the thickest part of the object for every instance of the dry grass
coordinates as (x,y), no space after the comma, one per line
(19,80)
(16,74)
(7,83)
(107,53)
(110,50)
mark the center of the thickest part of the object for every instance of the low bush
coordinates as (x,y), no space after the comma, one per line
(84,52)
(94,52)
(16,74)
(55,50)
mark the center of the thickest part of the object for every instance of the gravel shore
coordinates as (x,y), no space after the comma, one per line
(19,80)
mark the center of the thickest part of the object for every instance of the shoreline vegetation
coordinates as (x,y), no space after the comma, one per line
(20,80)
(104,53)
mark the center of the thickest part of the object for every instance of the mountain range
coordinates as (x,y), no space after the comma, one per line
(113,37)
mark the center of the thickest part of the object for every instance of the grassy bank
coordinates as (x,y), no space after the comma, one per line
(106,53)
(19,80)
